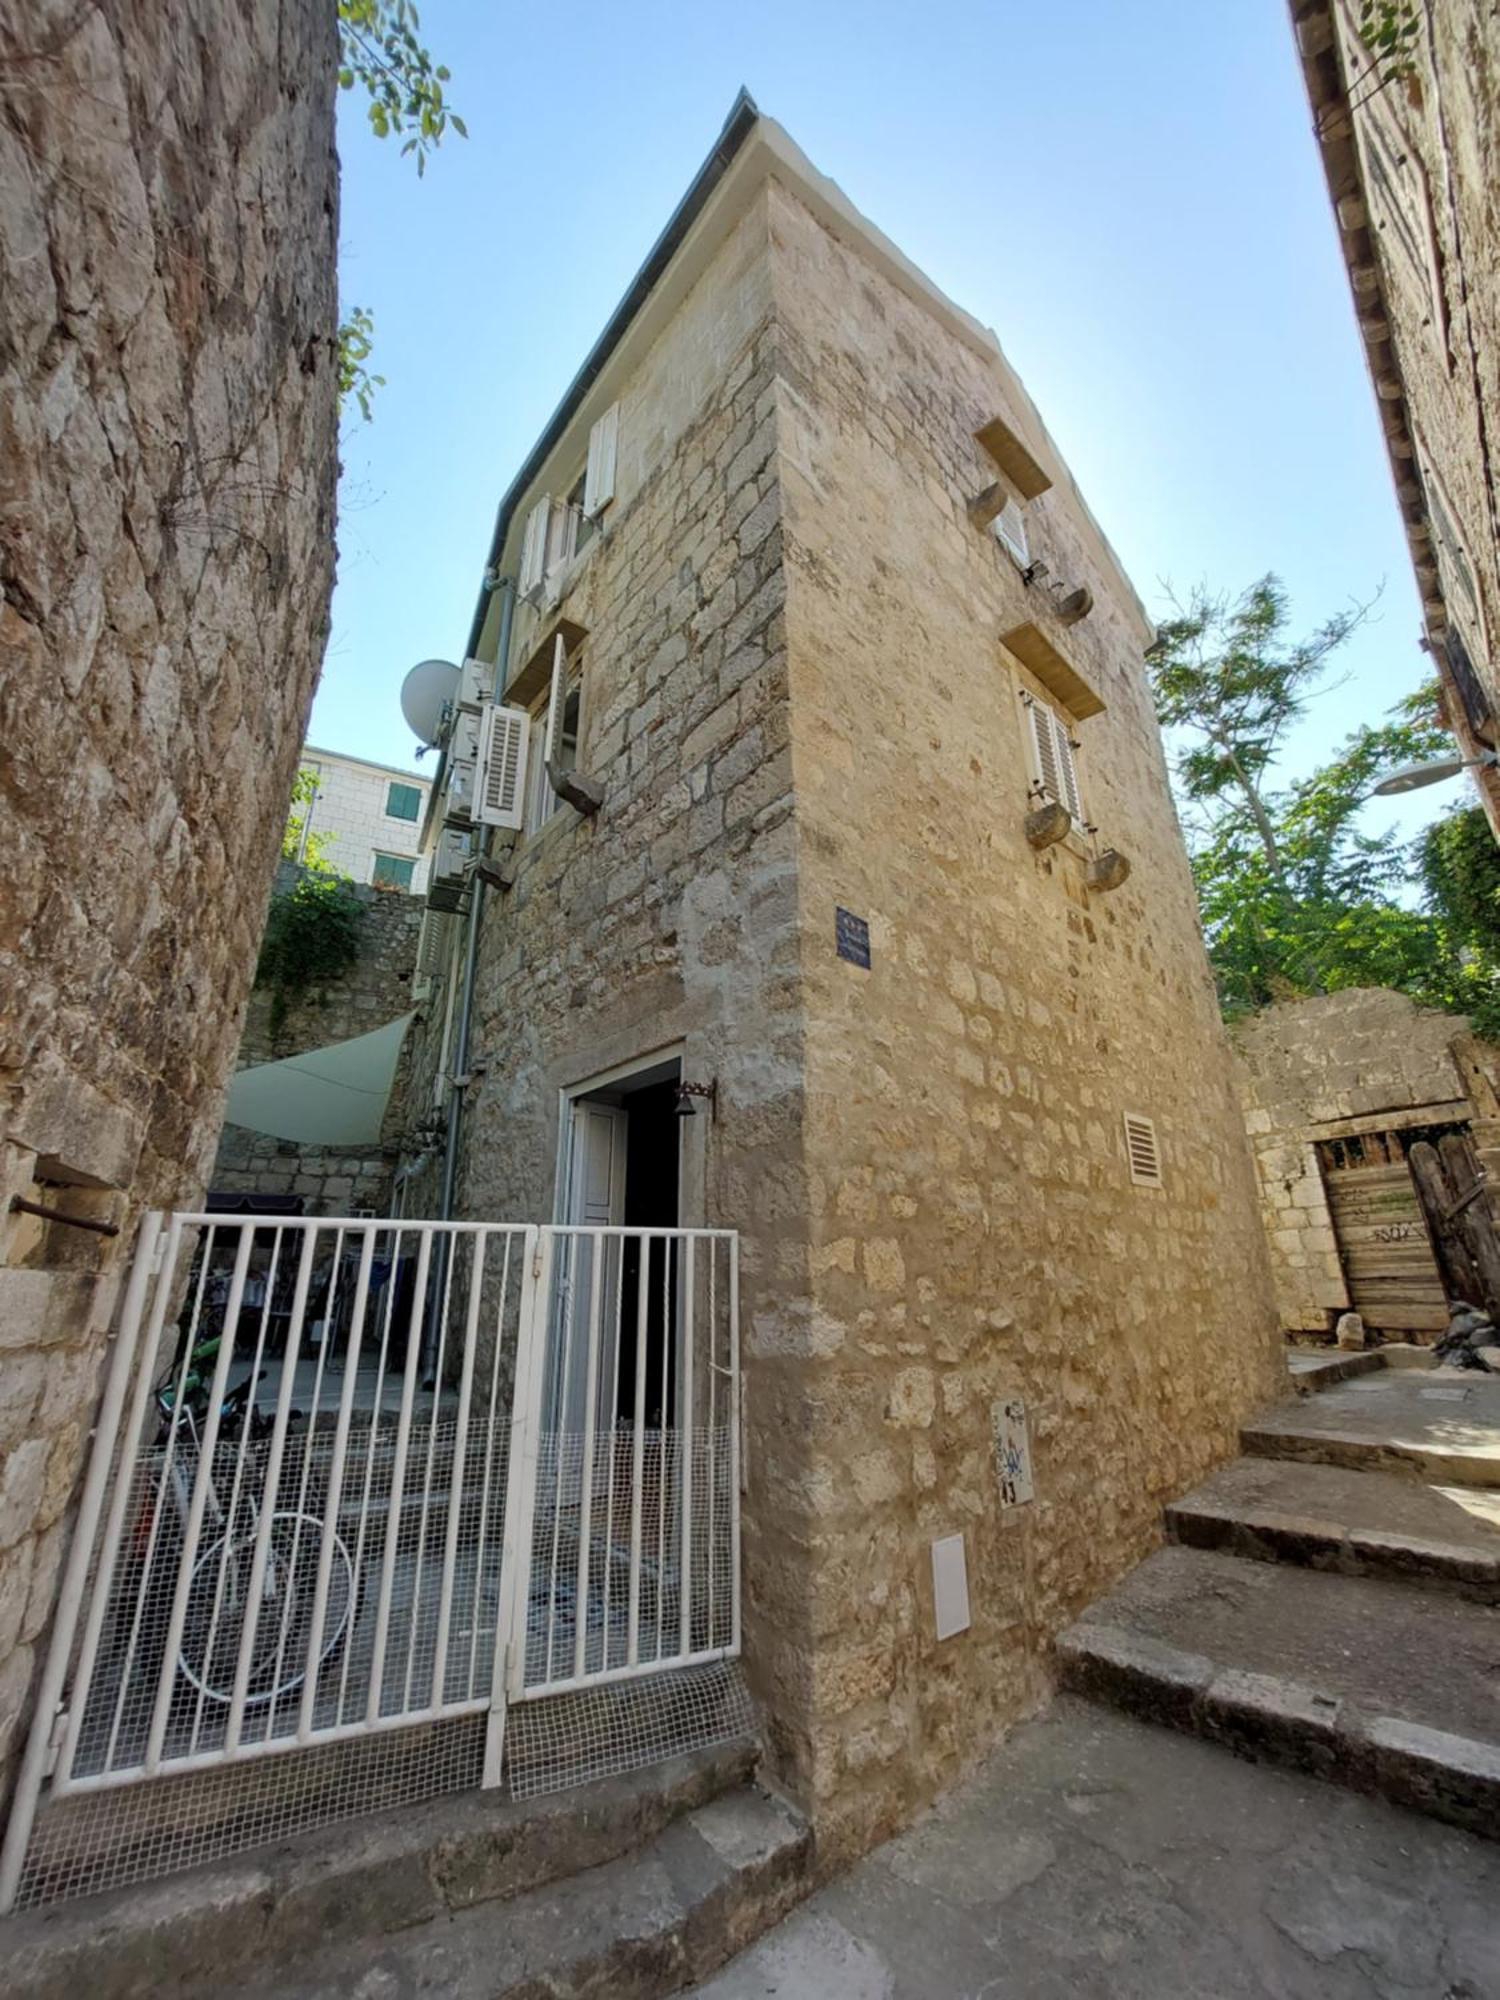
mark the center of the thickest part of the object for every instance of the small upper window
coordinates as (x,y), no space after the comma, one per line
(403,801)
(393,871)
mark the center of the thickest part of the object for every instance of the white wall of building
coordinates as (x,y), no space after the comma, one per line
(351,810)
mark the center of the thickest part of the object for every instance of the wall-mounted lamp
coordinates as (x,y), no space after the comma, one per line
(686,1092)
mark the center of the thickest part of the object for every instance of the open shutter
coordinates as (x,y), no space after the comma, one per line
(556,700)
(1010,529)
(534,546)
(1067,771)
(1043,749)
(599,481)
(502,768)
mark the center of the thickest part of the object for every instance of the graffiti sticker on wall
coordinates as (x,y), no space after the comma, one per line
(1012,1451)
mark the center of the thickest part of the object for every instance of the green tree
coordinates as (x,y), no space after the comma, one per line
(1296,896)
(297,844)
(381,53)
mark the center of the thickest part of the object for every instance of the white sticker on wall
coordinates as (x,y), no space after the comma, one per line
(950,1586)
(1012,1451)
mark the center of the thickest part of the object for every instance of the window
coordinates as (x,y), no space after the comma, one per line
(558,530)
(1054,775)
(542,802)
(393,871)
(403,801)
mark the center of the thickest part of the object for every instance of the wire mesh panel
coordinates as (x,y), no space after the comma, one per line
(632,1482)
(356,1483)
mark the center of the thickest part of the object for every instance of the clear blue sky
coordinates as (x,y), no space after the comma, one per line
(1128,194)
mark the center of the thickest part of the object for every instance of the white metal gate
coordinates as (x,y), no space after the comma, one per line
(330,1494)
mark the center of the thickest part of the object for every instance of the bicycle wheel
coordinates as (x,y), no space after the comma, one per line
(219,1603)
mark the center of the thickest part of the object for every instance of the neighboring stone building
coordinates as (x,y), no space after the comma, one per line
(1412,166)
(377,988)
(835,623)
(1335,1090)
(168,201)
(368,817)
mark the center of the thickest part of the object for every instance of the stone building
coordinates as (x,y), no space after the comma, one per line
(168,201)
(1336,1089)
(856,838)
(1412,161)
(303,1176)
(368,817)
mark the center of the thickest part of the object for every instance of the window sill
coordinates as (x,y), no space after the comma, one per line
(1057,674)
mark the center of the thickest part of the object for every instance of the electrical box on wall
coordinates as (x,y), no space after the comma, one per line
(950,1586)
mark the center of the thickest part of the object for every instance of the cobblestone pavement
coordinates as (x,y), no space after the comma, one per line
(1097,1856)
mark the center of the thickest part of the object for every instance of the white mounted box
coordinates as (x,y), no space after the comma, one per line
(950,1586)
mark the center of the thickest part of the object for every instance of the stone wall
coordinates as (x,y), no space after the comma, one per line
(168,195)
(1326,1067)
(976,1236)
(795,700)
(377,988)
(1412,165)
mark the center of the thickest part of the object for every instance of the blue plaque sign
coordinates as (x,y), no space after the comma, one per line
(853,936)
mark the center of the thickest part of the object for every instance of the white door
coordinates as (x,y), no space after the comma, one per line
(594,1197)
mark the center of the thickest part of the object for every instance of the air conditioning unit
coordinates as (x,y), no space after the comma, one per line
(450,869)
(476,685)
(458,805)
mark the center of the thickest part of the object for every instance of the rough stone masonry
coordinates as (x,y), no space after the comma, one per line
(796,700)
(168,208)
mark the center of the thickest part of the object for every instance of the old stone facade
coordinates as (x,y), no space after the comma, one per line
(1412,163)
(367,818)
(1316,1073)
(168,196)
(795,702)
(377,988)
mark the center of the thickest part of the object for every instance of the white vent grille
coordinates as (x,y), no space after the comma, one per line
(1141,1150)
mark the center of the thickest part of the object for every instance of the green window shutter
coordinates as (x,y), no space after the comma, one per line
(403,801)
(393,871)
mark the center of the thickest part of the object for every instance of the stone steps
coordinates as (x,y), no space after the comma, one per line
(1358,1523)
(1440,1425)
(374,1885)
(1374,1685)
(642,1926)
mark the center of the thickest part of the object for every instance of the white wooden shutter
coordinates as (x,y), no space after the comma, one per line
(1043,749)
(501,797)
(556,700)
(1067,771)
(432,947)
(599,480)
(1010,528)
(534,546)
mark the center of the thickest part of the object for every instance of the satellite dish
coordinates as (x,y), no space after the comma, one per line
(426,693)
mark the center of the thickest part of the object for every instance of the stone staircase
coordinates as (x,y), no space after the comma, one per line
(633,1887)
(1331,1600)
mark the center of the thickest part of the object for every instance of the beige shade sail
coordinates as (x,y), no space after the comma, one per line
(334,1096)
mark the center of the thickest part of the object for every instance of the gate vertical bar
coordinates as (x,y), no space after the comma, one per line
(509,1672)
(75,1576)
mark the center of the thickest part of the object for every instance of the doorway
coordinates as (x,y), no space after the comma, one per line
(620,1163)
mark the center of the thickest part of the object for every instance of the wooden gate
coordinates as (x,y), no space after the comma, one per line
(1394,1280)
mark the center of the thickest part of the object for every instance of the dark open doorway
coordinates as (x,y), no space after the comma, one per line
(652,1184)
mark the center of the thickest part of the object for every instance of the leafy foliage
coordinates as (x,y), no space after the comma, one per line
(310,849)
(312,936)
(1391,30)
(1295,896)
(380,52)
(356,342)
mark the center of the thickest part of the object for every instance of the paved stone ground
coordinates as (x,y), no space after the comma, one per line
(1096,1858)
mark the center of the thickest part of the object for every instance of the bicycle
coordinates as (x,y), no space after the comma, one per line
(219,1598)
